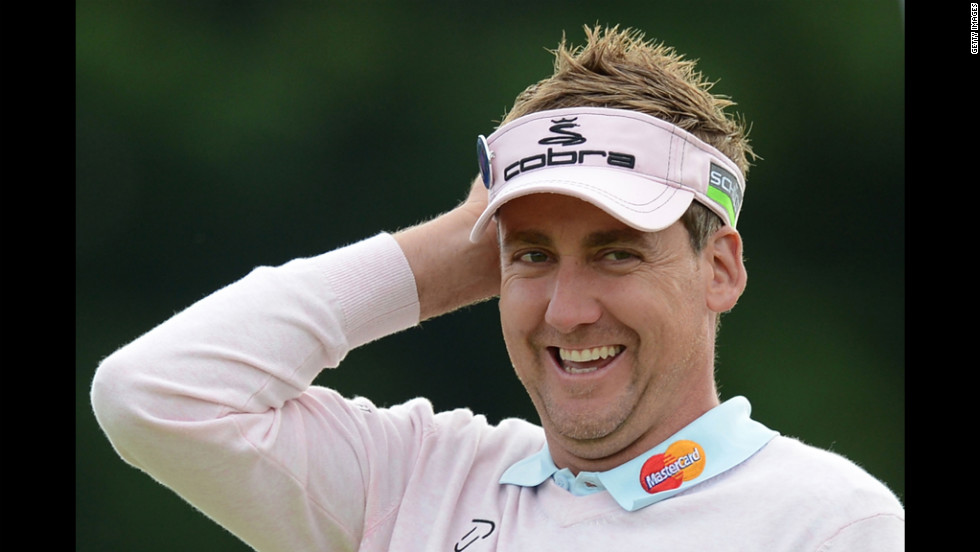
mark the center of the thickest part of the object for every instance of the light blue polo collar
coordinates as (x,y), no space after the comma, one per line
(720,439)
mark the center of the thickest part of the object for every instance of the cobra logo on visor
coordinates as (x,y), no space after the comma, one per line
(549,158)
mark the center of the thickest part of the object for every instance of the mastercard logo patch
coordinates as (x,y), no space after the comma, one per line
(682,461)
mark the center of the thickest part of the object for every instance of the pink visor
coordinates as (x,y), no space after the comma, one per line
(639,169)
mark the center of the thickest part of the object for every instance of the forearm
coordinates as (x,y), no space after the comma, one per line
(254,344)
(216,402)
(450,271)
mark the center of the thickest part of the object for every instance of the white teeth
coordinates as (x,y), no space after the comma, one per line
(571,370)
(587,355)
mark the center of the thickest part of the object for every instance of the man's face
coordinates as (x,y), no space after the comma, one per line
(607,327)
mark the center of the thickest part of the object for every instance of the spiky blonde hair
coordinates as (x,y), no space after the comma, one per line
(618,68)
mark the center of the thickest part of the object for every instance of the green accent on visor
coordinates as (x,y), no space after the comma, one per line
(725,201)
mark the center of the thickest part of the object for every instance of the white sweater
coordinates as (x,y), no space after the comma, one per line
(217,404)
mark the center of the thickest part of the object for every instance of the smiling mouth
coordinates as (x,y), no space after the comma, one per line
(584,361)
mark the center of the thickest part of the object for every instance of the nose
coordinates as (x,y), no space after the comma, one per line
(574,297)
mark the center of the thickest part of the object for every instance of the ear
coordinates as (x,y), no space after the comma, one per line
(723,254)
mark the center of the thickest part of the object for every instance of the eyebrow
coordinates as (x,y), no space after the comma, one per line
(526,237)
(609,237)
(593,240)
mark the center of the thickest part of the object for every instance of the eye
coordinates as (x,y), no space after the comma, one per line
(533,257)
(618,255)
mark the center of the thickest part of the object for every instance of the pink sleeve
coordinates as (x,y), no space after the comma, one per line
(216,402)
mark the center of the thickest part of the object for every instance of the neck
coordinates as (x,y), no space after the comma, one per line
(616,448)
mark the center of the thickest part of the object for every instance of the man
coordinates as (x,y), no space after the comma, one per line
(605,219)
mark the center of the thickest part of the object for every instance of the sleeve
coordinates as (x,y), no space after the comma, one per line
(216,403)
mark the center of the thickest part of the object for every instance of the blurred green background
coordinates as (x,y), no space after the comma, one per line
(212,137)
